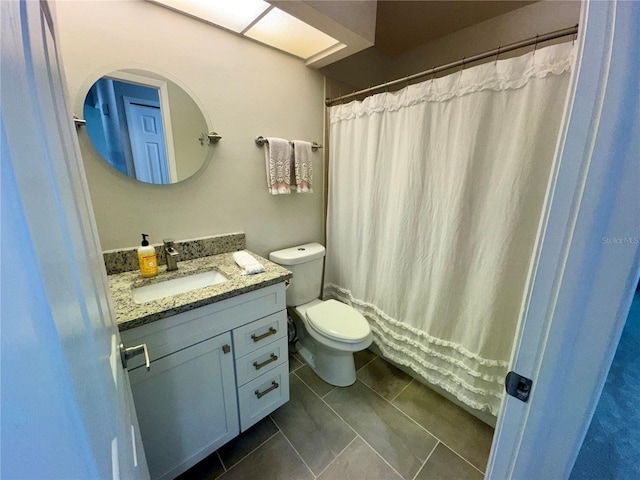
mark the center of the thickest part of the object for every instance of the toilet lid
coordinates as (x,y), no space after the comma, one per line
(338,321)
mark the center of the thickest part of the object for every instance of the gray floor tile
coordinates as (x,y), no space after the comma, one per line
(242,445)
(207,469)
(293,353)
(314,430)
(457,428)
(402,443)
(294,363)
(274,460)
(316,384)
(359,462)
(443,464)
(362,358)
(384,378)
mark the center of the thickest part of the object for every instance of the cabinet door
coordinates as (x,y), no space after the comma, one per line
(186,405)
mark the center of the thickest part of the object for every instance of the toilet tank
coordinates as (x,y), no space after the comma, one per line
(305,262)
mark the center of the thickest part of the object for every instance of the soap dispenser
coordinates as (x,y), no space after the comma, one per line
(147,258)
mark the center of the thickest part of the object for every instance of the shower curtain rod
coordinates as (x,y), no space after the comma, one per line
(496,51)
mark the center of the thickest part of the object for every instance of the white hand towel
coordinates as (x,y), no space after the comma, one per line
(278,157)
(302,157)
(248,263)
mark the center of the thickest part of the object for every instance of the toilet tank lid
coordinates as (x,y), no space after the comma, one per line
(299,254)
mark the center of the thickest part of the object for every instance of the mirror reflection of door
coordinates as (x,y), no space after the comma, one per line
(146,136)
(126,129)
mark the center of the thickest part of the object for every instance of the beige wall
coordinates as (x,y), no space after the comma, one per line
(245,90)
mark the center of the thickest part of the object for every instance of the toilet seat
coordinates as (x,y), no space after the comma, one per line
(338,321)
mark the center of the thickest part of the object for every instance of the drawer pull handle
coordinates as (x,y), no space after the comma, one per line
(273,386)
(258,366)
(257,338)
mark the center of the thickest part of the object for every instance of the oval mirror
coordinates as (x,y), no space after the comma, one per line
(146,126)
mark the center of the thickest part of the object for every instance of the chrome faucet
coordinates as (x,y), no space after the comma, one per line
(170,254)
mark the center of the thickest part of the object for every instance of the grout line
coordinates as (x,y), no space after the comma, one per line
(338,455)
(328,406)
(300,364)
(311,388)
(221,462)
(294,449)
(374,357)
(332,390)
(426,460)
(472,465)
(421,426)
(403,389)
(381,457)
(351,427)
(249,453)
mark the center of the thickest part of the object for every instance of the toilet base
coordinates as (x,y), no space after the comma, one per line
(333,366)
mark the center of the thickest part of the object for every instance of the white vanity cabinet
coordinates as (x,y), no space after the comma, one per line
(215,370)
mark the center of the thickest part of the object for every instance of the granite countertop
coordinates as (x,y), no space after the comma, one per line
(130,314)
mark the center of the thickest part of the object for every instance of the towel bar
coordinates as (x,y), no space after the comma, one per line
(211,137)
(260,140)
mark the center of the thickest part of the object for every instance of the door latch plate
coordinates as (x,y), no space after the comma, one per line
(518,386)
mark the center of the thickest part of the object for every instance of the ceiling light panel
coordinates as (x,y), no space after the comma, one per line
(235,15)
(283,31)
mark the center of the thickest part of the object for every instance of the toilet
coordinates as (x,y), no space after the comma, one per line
(328,331)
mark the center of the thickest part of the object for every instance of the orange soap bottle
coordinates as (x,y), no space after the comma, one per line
(147,258)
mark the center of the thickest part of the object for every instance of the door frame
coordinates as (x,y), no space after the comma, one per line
(165,109)
(587,259)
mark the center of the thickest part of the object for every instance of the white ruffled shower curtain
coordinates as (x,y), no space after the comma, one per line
(435,195)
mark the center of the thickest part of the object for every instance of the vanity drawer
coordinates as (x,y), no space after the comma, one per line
(263,395)
(257,334)
(261,361)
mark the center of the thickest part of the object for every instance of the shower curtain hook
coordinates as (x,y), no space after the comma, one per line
(575,36)
(497,54)
(535,47)
(433,72)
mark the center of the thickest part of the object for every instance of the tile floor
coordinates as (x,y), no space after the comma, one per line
(385,426)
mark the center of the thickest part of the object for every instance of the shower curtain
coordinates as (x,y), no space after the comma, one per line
(435,196)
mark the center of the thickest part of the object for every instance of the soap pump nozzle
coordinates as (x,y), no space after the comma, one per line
(145,242)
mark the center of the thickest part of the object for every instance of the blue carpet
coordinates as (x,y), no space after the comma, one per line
(611,449)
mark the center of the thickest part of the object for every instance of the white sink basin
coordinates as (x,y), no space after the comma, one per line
(148,293)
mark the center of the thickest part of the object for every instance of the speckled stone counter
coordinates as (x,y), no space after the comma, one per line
(126,259)
(130,314)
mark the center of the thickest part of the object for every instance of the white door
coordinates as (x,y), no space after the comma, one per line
(587,259)
(144,122)
(67,409)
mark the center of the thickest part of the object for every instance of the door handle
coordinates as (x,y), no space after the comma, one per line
(127,353)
